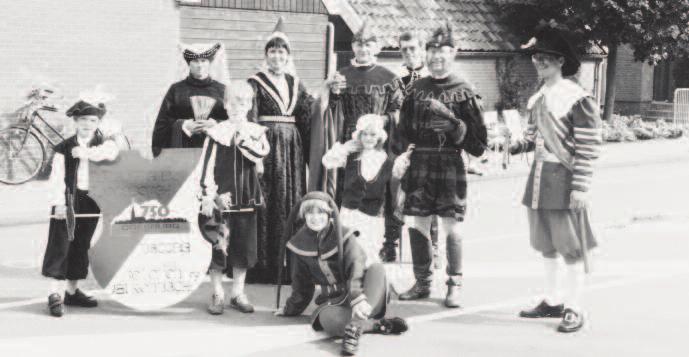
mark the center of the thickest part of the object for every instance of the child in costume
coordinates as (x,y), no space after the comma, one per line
(565,133)
(325,253)
(231,193)
(368,170)
(74,214)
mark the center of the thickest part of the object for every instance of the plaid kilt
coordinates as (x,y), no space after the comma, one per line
(435,184)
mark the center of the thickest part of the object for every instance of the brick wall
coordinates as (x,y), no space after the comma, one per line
(634,81)
(244,33)
(128,46)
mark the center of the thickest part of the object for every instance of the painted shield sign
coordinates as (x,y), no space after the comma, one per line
(150,254)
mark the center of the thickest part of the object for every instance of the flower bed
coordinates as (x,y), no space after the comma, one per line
(633,128)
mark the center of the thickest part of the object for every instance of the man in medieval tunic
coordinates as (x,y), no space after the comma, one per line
(565,133)
(370,89)
(413,51)
(441,115)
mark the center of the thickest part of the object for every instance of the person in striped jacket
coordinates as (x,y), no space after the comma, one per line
(565,133)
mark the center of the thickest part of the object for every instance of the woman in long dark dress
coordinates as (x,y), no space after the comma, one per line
(282,105)
(195,103)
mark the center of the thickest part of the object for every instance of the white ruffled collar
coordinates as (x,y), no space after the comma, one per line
(560,97)
(370,64)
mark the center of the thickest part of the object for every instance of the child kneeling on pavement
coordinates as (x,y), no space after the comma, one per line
(325,253)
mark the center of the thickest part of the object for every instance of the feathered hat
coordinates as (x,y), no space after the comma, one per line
(196,51)
(443,36)
(279,38)
(365,34)
(82,108)
(553,41)
(90,102)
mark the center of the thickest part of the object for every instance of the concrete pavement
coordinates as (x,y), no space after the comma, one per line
(635,301)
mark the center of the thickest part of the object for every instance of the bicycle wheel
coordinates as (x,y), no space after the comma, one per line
(20,159)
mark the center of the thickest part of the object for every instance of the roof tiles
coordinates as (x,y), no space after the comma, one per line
(476,21)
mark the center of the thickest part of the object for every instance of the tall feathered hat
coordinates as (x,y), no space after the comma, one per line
(196,51)
(279,38)
(443,36)
(554,41)
(365,34)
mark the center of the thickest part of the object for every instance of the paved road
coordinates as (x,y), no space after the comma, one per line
(636,300)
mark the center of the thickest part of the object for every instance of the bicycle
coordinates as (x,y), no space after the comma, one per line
(22,152)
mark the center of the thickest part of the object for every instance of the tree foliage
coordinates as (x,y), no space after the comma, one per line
(655,29)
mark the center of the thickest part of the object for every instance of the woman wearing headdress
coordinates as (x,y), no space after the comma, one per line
(283,106)
(194,104)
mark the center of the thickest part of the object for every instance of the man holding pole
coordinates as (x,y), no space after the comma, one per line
(565,133)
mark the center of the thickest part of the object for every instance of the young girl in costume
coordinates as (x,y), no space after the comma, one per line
(74,214)
(325,253)
(231,193)
(368,169)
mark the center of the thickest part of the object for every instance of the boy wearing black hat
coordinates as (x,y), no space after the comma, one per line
(565,133)
(442,115)
(74,214)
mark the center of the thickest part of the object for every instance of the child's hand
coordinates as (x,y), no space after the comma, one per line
(361,310)
(80,153)
(204,125)
(60,212)
(223,243)
(207,206)
(260,168)
(352,146)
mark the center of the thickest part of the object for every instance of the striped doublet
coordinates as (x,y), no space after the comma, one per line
(565,120)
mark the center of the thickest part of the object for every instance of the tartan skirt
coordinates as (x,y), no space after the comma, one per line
(435,184)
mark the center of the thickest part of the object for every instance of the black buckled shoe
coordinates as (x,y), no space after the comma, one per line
(55,305)
(391,326)
(80,299)
(388,254)
(543,310)
(572,321)
(350,340)
(418,291)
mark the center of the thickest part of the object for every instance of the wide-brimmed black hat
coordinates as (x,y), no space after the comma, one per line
(553,41)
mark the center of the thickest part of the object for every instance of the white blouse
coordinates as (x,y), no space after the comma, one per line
(107,151)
